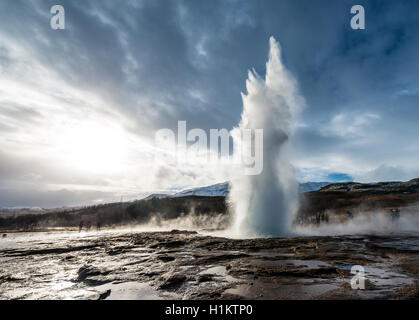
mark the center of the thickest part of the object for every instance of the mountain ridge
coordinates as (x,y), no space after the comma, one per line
(222,189)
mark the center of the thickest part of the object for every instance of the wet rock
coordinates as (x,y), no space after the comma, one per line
(256,272)
(68,258)
(150,274)
(204,278)
(368,286)
(169,244)
(410,292)
(23,253)
(165,258)
(410,263)
(116,251)
(86,271)
(213,258)
(104,295)
(85,274)
(185,232)
(170,281)
(7,278)
(251,267)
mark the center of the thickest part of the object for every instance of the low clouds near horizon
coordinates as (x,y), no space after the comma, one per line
(79,107)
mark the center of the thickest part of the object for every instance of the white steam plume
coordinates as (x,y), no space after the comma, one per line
(376,223)
(264,204)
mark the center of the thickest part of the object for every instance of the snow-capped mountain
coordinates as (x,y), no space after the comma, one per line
(216,190)
(157,196)
(222,189)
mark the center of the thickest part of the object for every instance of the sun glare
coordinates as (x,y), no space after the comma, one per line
(94,148)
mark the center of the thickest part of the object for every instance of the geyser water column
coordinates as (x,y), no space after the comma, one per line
(264,204)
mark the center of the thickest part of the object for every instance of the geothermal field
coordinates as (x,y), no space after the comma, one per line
(146,258)
(128,264)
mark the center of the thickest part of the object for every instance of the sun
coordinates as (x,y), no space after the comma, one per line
(93,147)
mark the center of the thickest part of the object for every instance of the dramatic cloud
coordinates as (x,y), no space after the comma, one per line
(79,107)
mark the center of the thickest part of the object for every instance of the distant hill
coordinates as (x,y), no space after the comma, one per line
(222,190)
(337,199)
(408,187)
(362,197)
(312,186)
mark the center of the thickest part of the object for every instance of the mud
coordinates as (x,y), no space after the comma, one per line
(188,265)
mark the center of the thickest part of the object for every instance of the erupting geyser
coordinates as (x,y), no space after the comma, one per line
(264,204)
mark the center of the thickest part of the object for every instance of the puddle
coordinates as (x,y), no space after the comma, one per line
(310,264)
(401,244)
(381,277)
(268,254)
(131,291)
(219,271)
(270,291)
(346,268)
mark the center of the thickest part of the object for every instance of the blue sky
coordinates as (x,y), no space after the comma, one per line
(338,177)
(122,70)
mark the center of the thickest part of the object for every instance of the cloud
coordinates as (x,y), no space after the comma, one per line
(128,69)
(11,198)
(388,173)
(347,125)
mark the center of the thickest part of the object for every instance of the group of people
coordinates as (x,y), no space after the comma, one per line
(317,219)
(395,215)
(322,217)
(89,226)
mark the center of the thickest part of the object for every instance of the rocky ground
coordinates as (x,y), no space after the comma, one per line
(188,265)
